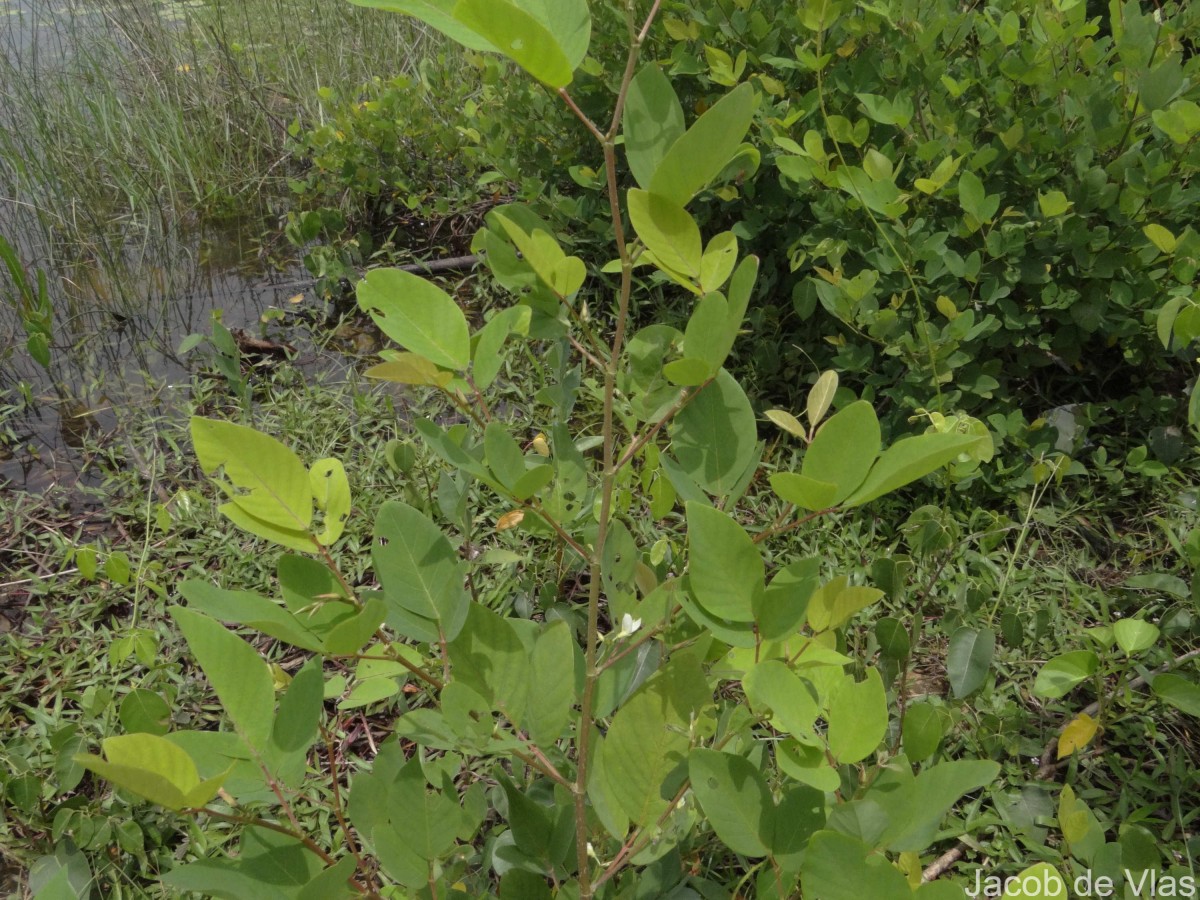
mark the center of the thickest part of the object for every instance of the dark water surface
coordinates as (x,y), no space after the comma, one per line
(122,304)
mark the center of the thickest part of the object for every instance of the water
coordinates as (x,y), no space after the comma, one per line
(123,300)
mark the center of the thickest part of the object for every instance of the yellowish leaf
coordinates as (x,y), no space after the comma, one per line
(1161,238)
(510,520)
(787,422)
(539,445)
(1077,735)
(947,308)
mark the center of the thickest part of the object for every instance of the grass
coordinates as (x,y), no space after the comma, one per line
(124,125)
(80,646)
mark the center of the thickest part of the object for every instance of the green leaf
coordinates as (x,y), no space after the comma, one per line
(352,633)
(668,231)
(529,821)
(652,122)
(836,603)
(785,605)
(775,691)
(894,642)
(924,728)
(331,490)
(331,884)
(154,768)
(720,256)
(734,797)
(969,658)
(974,198)
(245,608)
(725,567)
(503,454)
(844,450)
(418,315)
(708,336)
(268,866)
(703,151)
(1053,203)
(1178,691)
(1160,84)
(237,673)
(266,480)
(437,13)
(916,810)
(741,286)
(840,867)
(907,460)
(806,493)
(1064,672)
(444,446)
(1180,121)
(789,423)
(858,718)
(1135,635)
(489,657)
(1160,237)
(410,368)
(422,576)
(648,738)
(820,397)
(488,359)
(553,664)
(714,436)
(145,712)
(292,538)
(519,36)
(295,727)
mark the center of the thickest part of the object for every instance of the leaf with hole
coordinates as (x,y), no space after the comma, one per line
(265,480)
(417,315)
(423,578)
(331,491)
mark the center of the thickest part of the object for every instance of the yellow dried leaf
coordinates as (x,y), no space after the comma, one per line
(296,298)
(539,445)
(1077,735)
(510,520)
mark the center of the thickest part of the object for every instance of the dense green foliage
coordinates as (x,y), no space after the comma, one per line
(986,210)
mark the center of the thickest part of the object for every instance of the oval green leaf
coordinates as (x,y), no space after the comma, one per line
(417,315)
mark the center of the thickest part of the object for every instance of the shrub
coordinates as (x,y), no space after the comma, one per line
(697,718)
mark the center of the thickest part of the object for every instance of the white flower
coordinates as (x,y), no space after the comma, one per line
(629,625)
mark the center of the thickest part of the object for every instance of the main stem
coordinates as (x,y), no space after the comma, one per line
(608,453)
